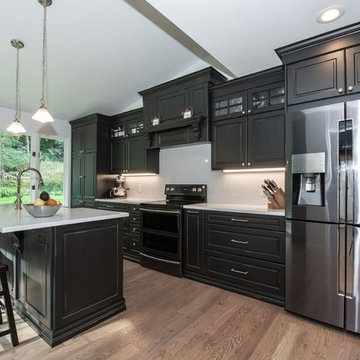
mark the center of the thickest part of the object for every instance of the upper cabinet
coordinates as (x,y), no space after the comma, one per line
(165,105)
(128,145)
(248,123)
(323,67)
(90,140)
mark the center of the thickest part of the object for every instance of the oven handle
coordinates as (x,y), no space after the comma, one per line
(161,211)
(159,259)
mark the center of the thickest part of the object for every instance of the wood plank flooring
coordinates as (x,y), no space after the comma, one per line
(171,318)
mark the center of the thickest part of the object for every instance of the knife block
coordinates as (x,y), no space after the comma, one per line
(278,200)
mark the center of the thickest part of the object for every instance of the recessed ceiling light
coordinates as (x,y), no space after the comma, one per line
(330,14)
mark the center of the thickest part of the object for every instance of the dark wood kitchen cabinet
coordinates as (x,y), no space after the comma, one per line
(131,227)
(128,145)
(240,252)
(130,156)
(248,122)
(169,100)
(90,139)
(193,242)
(229,143)
(67,278)
(321,67)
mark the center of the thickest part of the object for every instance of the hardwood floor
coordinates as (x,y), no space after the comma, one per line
(172,318)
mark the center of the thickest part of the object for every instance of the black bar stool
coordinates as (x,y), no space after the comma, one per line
(8,307)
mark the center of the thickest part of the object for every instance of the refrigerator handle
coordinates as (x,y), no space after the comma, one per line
(349,170)
(352,239)
(341,260)
(343,168)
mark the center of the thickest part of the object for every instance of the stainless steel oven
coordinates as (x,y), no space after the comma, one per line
(161,227)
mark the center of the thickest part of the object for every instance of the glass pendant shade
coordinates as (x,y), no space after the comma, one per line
(16,127)
(43,115)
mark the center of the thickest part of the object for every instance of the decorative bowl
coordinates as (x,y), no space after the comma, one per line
(42,211)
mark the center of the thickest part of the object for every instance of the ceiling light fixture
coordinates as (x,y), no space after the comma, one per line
(330,14)
(16,127)
(42,114)
(254,170)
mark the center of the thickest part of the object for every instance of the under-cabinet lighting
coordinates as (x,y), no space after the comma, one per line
(330,14)
(253,170)
(138,174)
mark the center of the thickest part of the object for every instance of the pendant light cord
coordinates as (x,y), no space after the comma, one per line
(17,91)
(44,63)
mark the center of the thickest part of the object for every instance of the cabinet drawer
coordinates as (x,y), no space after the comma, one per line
(249,274)
(111,206)
(260,244)
(266,222)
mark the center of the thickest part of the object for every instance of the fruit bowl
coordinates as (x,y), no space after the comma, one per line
(42,211)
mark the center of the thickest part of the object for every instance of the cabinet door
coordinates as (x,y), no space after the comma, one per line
(229,106)
(193,241)
(266,139)
(88,274)
(229,144)
(76,181)
(34,276)
(89,177)
(90,137)
(353,69)
(266,98)
(118,156)
(170,106)
(76,140)
(317,78)
(136,154)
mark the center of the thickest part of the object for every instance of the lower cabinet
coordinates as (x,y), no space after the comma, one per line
(237,251)
(131,227)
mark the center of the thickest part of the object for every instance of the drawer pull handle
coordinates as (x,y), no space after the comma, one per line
(239,241)
(240,220)
(239,271)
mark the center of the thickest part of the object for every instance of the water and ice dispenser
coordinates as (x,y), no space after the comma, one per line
(308,171)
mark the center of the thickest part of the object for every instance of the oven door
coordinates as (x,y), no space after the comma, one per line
(161,232)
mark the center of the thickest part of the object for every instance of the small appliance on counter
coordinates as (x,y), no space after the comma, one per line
(120,188)
(275,195)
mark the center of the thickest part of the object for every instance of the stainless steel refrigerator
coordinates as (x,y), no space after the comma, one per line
(323,215)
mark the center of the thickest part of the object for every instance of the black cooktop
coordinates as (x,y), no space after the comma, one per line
(178,195)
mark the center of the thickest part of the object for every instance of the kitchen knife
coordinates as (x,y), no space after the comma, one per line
(274,184)
(268,195)
(267,191)
(270,185)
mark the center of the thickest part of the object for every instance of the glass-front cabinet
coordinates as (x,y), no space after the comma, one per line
(269,97)
(230,106)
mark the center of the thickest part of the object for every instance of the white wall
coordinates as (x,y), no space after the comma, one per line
(57,129)
(192,164)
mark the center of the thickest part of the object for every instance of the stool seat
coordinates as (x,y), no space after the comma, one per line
(5,293)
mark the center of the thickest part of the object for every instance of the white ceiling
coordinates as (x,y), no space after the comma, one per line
(101,53)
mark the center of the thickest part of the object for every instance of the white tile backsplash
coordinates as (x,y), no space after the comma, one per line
(192,164)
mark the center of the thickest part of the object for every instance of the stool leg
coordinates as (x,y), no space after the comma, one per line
(9,310)
(1,318)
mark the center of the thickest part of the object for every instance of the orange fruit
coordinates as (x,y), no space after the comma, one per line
(51,202)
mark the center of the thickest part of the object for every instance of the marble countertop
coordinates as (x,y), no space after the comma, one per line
(126,201)
(12,220)
(241,208)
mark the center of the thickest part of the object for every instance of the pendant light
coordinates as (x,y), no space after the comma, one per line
(42,114)
(16,126)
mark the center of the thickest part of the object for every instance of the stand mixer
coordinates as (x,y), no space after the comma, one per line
(120,188)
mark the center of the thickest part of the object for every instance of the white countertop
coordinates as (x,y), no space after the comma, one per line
(243,208)
(19,220)
(126,201)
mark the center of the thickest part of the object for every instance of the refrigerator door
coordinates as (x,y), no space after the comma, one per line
(352,321)
(312,140)
(315,271)
(353,162)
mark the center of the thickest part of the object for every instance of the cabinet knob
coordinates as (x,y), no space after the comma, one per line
(350,88)
(243,112)
(249,164)
(341,90)
(243,164)
(134,244)
(249,111)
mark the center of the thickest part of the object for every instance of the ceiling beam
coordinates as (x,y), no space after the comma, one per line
(162,22)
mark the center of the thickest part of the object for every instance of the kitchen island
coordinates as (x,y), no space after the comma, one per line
(65,271)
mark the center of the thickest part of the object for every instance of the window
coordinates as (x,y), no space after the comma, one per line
(20,152)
